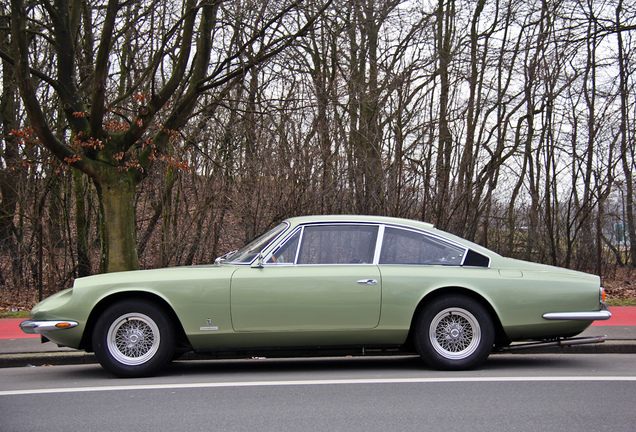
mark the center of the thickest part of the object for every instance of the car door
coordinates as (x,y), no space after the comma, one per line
(321,278)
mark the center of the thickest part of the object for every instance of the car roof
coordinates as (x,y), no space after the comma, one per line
(360,218)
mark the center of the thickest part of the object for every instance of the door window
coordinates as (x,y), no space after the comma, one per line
(338,244)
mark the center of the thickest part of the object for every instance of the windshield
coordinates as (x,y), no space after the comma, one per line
(247,253)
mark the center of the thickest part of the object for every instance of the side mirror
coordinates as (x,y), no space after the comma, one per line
(258,262)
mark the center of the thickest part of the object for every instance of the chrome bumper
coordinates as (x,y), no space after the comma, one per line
(43,327)
(600,315)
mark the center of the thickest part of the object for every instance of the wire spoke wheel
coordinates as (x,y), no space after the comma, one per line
(455,333)
(133,339)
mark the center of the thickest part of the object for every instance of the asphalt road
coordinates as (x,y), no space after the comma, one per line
(524,393)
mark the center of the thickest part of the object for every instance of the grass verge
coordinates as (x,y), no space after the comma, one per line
(621,302)
(18,314)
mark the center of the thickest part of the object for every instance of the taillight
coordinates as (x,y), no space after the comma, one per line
(602,294)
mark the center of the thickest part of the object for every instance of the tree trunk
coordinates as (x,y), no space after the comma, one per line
(83,252)
(627,150)
(11,173)
(119,245)
(445,32)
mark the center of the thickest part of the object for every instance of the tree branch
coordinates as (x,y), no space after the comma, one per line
(22,74)
(101,69)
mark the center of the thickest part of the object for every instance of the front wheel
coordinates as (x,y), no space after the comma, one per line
(454,333)
(133,338)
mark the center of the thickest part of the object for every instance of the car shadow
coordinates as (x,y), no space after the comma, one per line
(309,365)
(341,367)
(355,364)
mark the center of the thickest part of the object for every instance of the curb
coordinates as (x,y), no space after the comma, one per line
(80,357)
(46,359)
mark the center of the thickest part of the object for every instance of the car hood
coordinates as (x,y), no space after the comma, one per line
(160,275)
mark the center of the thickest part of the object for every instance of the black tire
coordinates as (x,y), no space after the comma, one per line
(454,332)
(133,338)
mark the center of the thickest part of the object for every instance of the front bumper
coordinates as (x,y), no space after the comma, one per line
(43,327)
(599,315)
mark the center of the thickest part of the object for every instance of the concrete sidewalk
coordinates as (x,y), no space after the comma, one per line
(19,350)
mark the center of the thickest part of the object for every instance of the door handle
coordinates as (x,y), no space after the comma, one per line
(367,282)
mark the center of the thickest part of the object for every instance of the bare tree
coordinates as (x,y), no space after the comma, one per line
(114,149)
(627,143)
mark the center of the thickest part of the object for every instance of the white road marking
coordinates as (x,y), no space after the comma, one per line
(315,382)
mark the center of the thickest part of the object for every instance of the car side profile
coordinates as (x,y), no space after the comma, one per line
(325,283)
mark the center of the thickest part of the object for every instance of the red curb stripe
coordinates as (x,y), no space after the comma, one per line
(10,329)
(622,316)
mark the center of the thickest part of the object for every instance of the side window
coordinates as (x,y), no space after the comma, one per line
(401,246)
(287,253)
(338,244)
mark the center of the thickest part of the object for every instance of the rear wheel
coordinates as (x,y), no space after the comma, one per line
(133,338)
(454,332)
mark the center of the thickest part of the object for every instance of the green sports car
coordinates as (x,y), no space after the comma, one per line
(320,284)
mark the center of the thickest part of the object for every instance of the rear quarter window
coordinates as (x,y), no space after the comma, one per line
(401,246)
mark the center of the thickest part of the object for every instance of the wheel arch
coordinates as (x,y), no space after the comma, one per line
(501,339)
(182,342)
